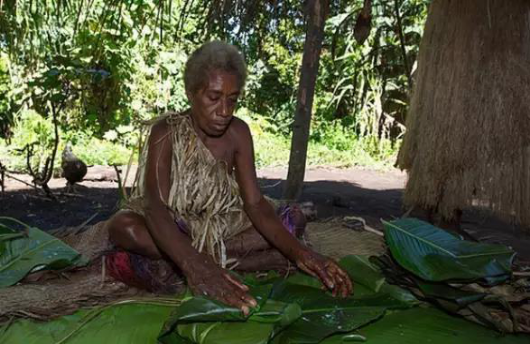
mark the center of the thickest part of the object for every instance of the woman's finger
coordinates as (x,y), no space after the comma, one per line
(236,282)
(347,280)
(245,297)
(236,301)
(339,285)
(239,294)
(324,276)
(249,300)
(341,275)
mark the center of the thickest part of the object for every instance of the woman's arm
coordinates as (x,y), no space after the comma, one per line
(265,220)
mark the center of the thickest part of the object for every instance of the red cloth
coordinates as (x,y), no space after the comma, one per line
(118,265)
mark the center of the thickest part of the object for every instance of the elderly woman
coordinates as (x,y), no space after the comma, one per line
(197,204)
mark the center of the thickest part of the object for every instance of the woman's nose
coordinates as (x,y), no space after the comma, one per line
(223,110)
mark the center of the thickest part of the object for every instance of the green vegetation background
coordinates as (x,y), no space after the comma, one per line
(109,66)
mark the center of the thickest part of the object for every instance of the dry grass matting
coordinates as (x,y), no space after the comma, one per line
(63,293)
(67,292)
(332,239)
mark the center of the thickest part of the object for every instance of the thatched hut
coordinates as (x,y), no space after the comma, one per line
(469,123)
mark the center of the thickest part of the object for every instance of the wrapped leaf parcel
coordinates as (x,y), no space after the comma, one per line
(25,249)
(293,310)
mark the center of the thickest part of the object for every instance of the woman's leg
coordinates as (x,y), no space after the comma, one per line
(254,253)
(270,259)
(128,231)
(247,241)
(138,262)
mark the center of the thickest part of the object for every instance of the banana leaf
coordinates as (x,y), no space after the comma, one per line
(201,320)
(137,323)
(462,298)
(322,314)
(260,327)
(426,325)
(435,255)
(370,281)
(295,310)
(30,250)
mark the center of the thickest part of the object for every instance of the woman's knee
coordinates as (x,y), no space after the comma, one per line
(125,224)
(129,231)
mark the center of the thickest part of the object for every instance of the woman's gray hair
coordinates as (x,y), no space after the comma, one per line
(215,55)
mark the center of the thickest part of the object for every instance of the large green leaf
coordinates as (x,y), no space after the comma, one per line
(428,325)
(435,255)
(321,315)
(36,250)
(370,282)
(121,324)
(324,315)
(437,291)
(293,310)
(296,310)
(200,320)
(260,327)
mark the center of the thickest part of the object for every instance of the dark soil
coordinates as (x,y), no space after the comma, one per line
(373,195)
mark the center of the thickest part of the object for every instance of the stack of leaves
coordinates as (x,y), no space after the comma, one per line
(471,279)
(293,310)
(25,249)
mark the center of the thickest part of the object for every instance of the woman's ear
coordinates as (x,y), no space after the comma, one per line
(189,95)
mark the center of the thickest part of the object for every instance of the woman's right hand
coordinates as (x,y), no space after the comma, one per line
(208,279)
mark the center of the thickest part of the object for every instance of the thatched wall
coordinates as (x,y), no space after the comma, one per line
(468,130)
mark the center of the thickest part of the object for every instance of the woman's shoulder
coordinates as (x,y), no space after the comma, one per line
(160,129)
(165,121)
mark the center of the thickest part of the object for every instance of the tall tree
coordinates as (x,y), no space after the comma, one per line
(469,123)
(317,11)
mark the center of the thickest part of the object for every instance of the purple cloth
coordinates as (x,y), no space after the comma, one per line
(285,214)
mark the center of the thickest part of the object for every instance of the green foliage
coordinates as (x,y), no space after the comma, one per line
(7,106)
(115,149)
(292,310)
(369,280)
(113,64)
(28,249)
(418,325)
(435,255)
(135,323)
(330,144)
(371,82)
(140,322)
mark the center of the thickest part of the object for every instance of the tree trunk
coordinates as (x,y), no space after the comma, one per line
(317,12)
(468,130)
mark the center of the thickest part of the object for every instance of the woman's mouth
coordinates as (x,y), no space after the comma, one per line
(221,125)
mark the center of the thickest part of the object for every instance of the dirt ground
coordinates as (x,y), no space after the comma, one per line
(373,195)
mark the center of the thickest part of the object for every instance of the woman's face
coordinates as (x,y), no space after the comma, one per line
(213,106)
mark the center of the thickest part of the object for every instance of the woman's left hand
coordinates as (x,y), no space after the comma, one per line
(327,270)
